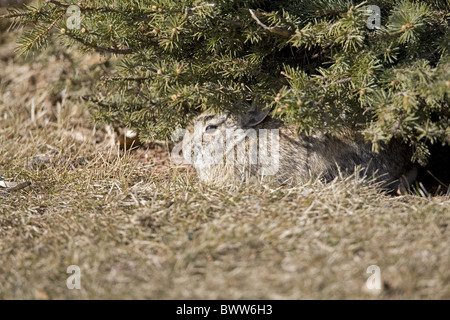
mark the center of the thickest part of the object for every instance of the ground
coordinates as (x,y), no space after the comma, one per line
(139,226)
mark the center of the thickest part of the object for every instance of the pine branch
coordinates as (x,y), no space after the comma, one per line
(22,49)
(104,9)
(322,49)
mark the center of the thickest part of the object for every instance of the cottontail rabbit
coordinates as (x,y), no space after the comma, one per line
(226,148)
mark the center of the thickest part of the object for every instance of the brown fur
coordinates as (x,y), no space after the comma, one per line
(301,156)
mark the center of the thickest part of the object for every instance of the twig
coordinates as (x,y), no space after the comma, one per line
(100,49)
(123,78)
(286,75)
(146,67)
(276,30)
(15,15)
(12,186)
(188,10)
(57,3)
(90,98)
(339,82)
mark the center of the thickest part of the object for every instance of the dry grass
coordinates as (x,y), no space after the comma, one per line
(141,228)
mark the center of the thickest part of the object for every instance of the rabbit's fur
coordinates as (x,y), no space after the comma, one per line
(301,156)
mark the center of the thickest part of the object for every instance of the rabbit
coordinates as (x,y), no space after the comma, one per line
(225,148)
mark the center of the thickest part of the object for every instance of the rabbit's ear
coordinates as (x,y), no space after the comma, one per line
(254,117)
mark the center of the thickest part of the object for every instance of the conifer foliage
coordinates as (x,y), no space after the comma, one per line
(317,64)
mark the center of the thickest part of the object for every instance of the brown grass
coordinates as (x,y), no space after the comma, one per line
(139,227)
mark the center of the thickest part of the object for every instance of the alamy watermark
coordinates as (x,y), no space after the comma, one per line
(374,20)
(74,20)
(74,281)
(374,281)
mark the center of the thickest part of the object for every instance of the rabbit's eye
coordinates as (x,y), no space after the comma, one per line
(210,129)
